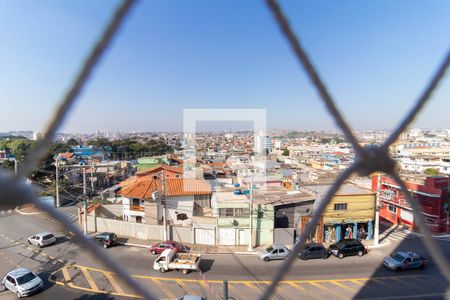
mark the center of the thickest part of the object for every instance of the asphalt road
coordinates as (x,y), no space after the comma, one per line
(69,273)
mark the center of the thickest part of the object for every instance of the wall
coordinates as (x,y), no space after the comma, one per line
(360,208)
(140,231)
(110,211)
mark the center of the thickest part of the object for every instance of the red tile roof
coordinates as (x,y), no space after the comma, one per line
(143,189)
(160,168)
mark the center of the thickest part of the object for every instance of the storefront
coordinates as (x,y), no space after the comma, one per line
(334,232)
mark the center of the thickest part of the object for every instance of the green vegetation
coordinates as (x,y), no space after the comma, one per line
(286,152)
(132,149)
(431,172)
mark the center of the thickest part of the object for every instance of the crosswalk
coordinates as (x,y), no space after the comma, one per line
(402,234)
(73,217)
(397,235)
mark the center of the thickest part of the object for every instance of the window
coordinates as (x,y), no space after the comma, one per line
(182,217)
(138,219)
(340,206)
(234,212)
(392,208)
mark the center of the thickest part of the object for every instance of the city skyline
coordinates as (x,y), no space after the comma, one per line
(215,56)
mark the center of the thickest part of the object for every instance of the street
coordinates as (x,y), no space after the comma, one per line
(69,273)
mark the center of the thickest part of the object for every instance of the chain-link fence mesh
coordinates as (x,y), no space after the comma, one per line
(14,192)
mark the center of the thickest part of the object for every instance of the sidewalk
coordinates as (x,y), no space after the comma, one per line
(28,210)
(206,249)
(221,249)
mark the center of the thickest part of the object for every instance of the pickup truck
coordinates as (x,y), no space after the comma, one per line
(170,259)
(400,261)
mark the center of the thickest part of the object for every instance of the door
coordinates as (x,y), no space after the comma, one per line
(227,236)
(243,237)
(10,283)
(204,236)
(316,252)
(281,253)
(274,254)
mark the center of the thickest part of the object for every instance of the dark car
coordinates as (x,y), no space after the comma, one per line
(348,247)
(158,248)
(313,250)
(107,239)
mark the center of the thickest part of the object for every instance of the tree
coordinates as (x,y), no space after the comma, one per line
(8,164)
(20,148)
(286,152)
(99,142)
(72,142)
(431,172)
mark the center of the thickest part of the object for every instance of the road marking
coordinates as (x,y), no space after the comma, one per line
(253,286)
(358,283)
(113,282)
(185,287)
(334,293)
(67,277)
(163,289)
(306,291)
(89,278)
(342,286)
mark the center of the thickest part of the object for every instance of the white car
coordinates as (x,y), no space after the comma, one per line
(42,239)
(23,282)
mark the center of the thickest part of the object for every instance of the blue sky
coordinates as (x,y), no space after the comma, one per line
(375,56)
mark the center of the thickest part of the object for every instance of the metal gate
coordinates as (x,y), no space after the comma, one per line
(205,236)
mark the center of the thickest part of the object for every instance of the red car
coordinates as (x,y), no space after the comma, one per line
(158,248)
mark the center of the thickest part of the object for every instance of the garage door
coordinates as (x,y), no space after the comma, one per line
(406,215)
(227,236)
(204,236)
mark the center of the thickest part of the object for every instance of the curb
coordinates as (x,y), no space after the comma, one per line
(134,245)
(25,213)
(209,253)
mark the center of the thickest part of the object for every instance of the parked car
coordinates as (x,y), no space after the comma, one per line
(347,247)
(276,251)
(23,282)
(313,250)
(158,248)
(107,239)
(400,261)
(42,239)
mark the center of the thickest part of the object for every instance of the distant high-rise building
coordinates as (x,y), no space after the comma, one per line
(37,136)
(263,143)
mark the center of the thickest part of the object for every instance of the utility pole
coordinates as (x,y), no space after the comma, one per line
(15,166)
(163,202)
(92,179)
(85,202)
(250,242)
(377,212)
(57,182)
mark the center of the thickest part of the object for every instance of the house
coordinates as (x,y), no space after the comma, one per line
(97,153)
(431,192)
(144,199)
(351,209)
(145,163)
(283,211)
(232,211)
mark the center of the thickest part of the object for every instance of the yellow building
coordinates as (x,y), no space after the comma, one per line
(350,213)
